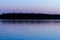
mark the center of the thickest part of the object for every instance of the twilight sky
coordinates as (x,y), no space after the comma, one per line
(38,6)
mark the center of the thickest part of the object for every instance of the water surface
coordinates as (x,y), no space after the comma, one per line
(44,30)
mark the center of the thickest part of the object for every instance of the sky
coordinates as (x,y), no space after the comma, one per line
(36,6)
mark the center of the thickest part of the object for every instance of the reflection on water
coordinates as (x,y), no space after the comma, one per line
(29,21)
(29,30)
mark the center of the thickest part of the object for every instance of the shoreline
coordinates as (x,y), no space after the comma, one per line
(29,20)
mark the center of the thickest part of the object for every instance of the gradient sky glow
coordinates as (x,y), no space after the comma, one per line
(38,6)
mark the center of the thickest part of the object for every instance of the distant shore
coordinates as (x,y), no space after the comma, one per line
(31,16)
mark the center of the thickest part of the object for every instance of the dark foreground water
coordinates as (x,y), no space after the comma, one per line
(43,30)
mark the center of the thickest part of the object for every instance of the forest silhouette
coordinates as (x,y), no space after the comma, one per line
(29,16)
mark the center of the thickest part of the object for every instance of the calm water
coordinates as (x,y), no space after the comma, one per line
(49,30)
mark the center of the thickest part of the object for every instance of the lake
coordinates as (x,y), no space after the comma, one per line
(41,30)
